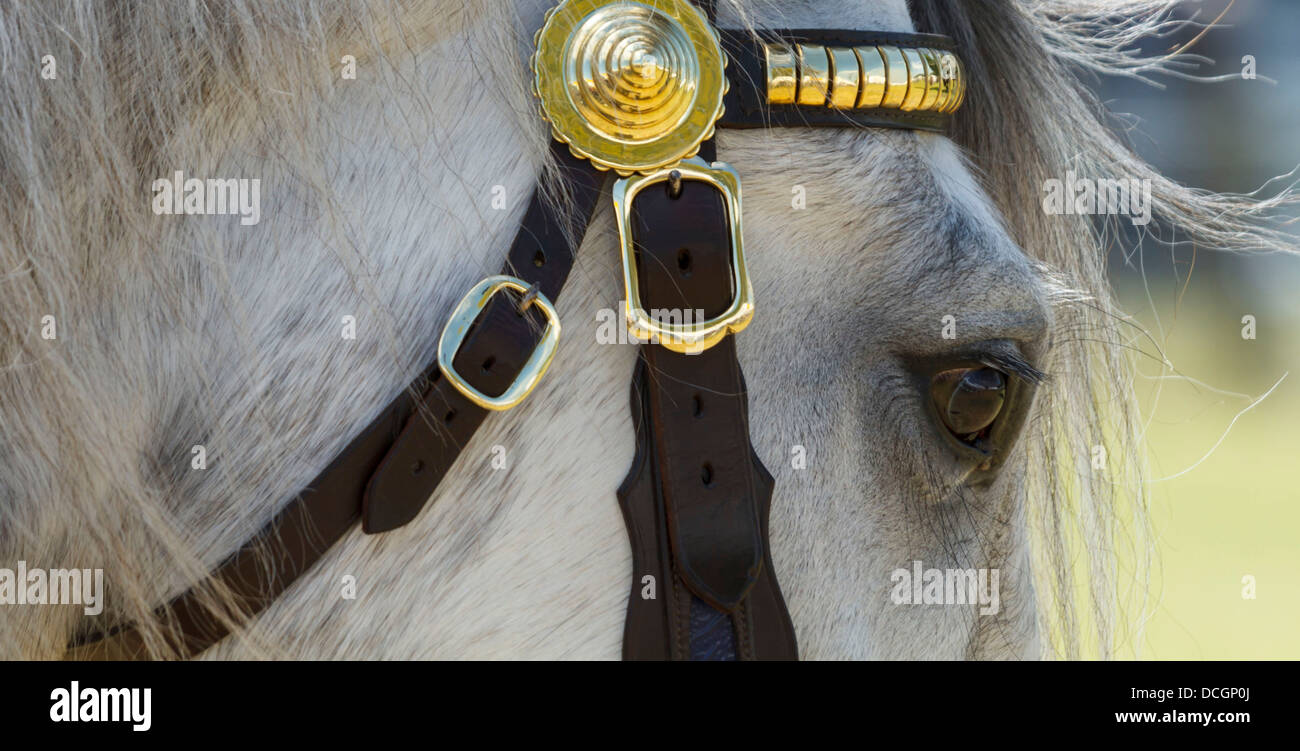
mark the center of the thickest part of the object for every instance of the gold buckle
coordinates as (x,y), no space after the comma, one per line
(463,317)
(694,337)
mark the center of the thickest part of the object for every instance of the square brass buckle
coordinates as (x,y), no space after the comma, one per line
(463,317)
(691,337)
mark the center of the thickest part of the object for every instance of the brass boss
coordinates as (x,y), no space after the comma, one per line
(632,85)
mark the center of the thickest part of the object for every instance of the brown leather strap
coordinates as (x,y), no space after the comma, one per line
(492,354)
(746,99)
(266,565)
(696,499)
(407,449)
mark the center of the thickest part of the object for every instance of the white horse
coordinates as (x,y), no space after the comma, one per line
(385,196)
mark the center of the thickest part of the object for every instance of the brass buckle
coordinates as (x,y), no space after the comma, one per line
(463,317)
(693,337)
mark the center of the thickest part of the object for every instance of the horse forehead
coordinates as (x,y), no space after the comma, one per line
(889,224)
(886,15)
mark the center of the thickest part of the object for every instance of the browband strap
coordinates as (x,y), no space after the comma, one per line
(824,78)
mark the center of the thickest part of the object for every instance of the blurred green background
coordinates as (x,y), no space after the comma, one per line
(1237,512)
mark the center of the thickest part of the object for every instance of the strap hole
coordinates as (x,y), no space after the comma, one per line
(699,406)
(684,262)
(488,363)
(706,475)
(450,414)
(539,259)
(417,468)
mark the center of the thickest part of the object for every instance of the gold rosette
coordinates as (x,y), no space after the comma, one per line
(632,85)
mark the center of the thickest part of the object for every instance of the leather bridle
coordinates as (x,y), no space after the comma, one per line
(696,498)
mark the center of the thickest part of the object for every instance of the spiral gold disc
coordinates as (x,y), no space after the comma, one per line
(632,85)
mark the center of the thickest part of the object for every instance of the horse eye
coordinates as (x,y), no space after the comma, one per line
(968,399)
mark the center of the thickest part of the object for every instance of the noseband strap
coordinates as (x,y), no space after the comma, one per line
(696,499)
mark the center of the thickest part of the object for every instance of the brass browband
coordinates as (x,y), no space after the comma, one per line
(821,77)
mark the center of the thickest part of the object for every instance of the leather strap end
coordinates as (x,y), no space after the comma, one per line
(386,503)
(723,588)
(419,458)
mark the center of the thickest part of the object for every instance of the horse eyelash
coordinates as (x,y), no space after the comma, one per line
(1010,361)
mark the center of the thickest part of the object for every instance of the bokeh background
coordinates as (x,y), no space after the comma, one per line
(1219,514)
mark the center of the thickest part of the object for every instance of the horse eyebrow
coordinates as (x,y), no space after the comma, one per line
(1004,356)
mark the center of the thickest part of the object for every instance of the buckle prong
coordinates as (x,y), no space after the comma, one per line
(528,299)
